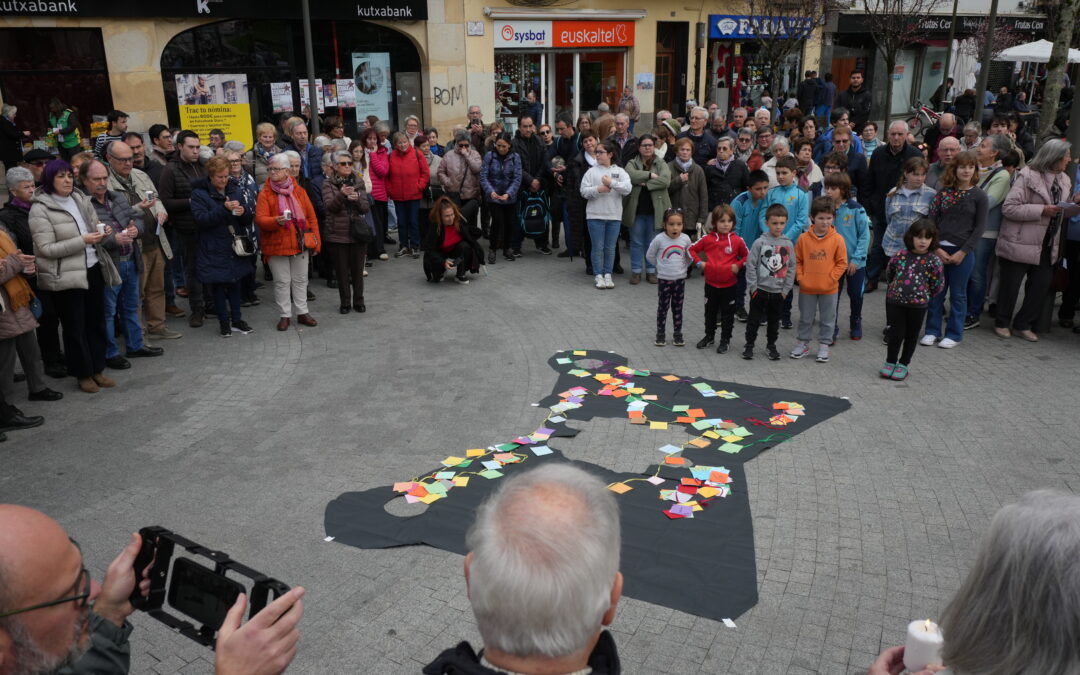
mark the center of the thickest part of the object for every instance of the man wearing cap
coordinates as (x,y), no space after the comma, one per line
(35,160)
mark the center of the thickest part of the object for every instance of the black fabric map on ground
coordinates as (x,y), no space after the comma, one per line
(704,565)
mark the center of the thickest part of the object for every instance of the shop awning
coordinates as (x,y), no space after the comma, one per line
(1034,52)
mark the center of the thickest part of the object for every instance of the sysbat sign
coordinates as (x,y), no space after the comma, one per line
(573,34)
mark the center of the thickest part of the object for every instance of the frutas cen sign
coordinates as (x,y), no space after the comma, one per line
(563,34)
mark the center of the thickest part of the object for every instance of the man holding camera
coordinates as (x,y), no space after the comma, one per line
(543,577)
(54,618)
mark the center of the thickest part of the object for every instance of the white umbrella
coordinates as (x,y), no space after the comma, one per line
(1034,52)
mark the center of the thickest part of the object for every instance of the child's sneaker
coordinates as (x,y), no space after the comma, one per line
(774,354)
(660,340)
(786,324)
(748,352)
(900,373)
(928,340)
(887,370)
(600,283)
(678,341)
(822,353)
(856,329)
(705,342)
(722,347)
(801,349)
(741,315)
(947,343)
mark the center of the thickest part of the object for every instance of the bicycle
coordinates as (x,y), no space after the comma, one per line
(924,118)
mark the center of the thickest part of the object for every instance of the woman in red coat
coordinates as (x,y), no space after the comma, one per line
(284,215)
(406,179)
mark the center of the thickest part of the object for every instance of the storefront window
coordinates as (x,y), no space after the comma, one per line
(903,76)
(933,72)
(515,75)
(37,64)
(267,51)
(602,79)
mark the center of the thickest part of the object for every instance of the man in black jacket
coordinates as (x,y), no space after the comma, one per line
(857,99)
(807,92)
(727,177)
(704,143)
(534,169)
(886,165)
(567,146)
(175,192)
(624,140)
(563,578)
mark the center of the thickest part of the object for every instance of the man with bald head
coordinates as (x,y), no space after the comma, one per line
(886,165)
(946,127)
(56,619)
(948,149)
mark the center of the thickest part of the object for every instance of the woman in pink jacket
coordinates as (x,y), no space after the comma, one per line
(377,167)
(1029,244)
(406,179)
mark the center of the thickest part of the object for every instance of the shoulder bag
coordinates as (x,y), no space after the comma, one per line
(241,243)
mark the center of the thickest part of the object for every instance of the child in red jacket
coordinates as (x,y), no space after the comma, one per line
(724,254)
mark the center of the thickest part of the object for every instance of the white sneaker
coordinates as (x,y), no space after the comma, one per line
(384,256)
(947,343)
(365,273)
(928,340)
(608,283)
(600,283)
(800,350)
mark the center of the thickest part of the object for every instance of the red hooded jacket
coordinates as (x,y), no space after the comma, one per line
(408,175)
(721,252)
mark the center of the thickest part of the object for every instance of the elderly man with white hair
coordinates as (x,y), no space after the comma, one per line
(704,142)
(780,147)
(543,578)
(886,165)
(763,118)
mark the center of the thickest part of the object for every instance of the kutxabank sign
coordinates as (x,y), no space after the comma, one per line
(224,9)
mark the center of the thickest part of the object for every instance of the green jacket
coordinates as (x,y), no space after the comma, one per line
(657,188)
(109,652)
(69,128)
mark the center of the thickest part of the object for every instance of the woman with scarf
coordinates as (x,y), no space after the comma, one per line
(434,188)
(289,233)
(726,175)
(17,324)
(347,230)
(73,265)
(807,174)
(257,159)
(247,190)
(688,190)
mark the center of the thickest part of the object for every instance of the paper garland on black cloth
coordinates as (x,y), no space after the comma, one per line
(702,563)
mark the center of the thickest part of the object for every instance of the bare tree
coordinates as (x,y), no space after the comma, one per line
(895,24)
(1003,38)
(1062,29)
(781,28)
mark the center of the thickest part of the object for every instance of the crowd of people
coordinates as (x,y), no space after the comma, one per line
(104,244)
(544,584)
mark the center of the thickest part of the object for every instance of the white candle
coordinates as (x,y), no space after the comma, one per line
(924,643)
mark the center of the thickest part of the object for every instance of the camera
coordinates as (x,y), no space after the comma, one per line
(200,592)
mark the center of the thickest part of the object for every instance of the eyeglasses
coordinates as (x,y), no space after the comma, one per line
(600,151)
(236,161)
(463,145)
(122,160)
(278,168)
(546,133)
(344,163)
(83,598)
(645,145)
(39,162)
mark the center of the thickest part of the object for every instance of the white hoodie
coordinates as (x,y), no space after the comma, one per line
(605,205)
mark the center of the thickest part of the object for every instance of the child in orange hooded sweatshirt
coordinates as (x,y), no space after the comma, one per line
(820,261)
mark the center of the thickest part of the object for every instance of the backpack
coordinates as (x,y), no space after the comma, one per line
(535,214)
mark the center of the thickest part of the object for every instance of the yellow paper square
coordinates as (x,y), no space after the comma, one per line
(637,390)
(699,443)
(453,461)
(732,438)
(697,507)
(475,452)
(462,481)
(620,488)
(430,497)
(707,491)
(711,434)
(658,425)
(579,352)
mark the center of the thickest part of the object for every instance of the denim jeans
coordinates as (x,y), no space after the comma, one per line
(408,223)
(604,235)
(854,284)
(956,283)
(568,238)
(641,235)
(230,292)
(124,297)
(980,276)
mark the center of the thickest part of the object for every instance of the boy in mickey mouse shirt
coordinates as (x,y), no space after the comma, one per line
(770,276)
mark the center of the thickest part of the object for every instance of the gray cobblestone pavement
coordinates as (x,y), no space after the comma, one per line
(862,523)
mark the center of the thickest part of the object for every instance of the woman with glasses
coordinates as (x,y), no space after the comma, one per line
(284,215)
(248,193)
(433,190)
(584,123)
(500,179)
(575,202)
(376,166)
(73,265)
(644,212)
(346,230)
(604,186)
(459,176)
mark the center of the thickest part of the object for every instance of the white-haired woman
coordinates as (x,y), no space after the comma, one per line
(1029,242)
(347,229)
(780,148)
(287,224)
(10,137)
(1017,611)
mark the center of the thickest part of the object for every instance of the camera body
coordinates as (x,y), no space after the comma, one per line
(201,593)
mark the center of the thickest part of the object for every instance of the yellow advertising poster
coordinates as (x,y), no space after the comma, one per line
(209,102)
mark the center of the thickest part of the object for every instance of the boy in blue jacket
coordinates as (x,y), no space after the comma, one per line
(748,208)
(853,225)
(797,202)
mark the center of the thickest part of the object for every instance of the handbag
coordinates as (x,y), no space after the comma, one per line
(241,243)
(433,192)
(360,230)
(310,241)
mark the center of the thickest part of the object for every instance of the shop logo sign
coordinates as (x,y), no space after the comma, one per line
(523,34)
(727,25)
(742,26)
